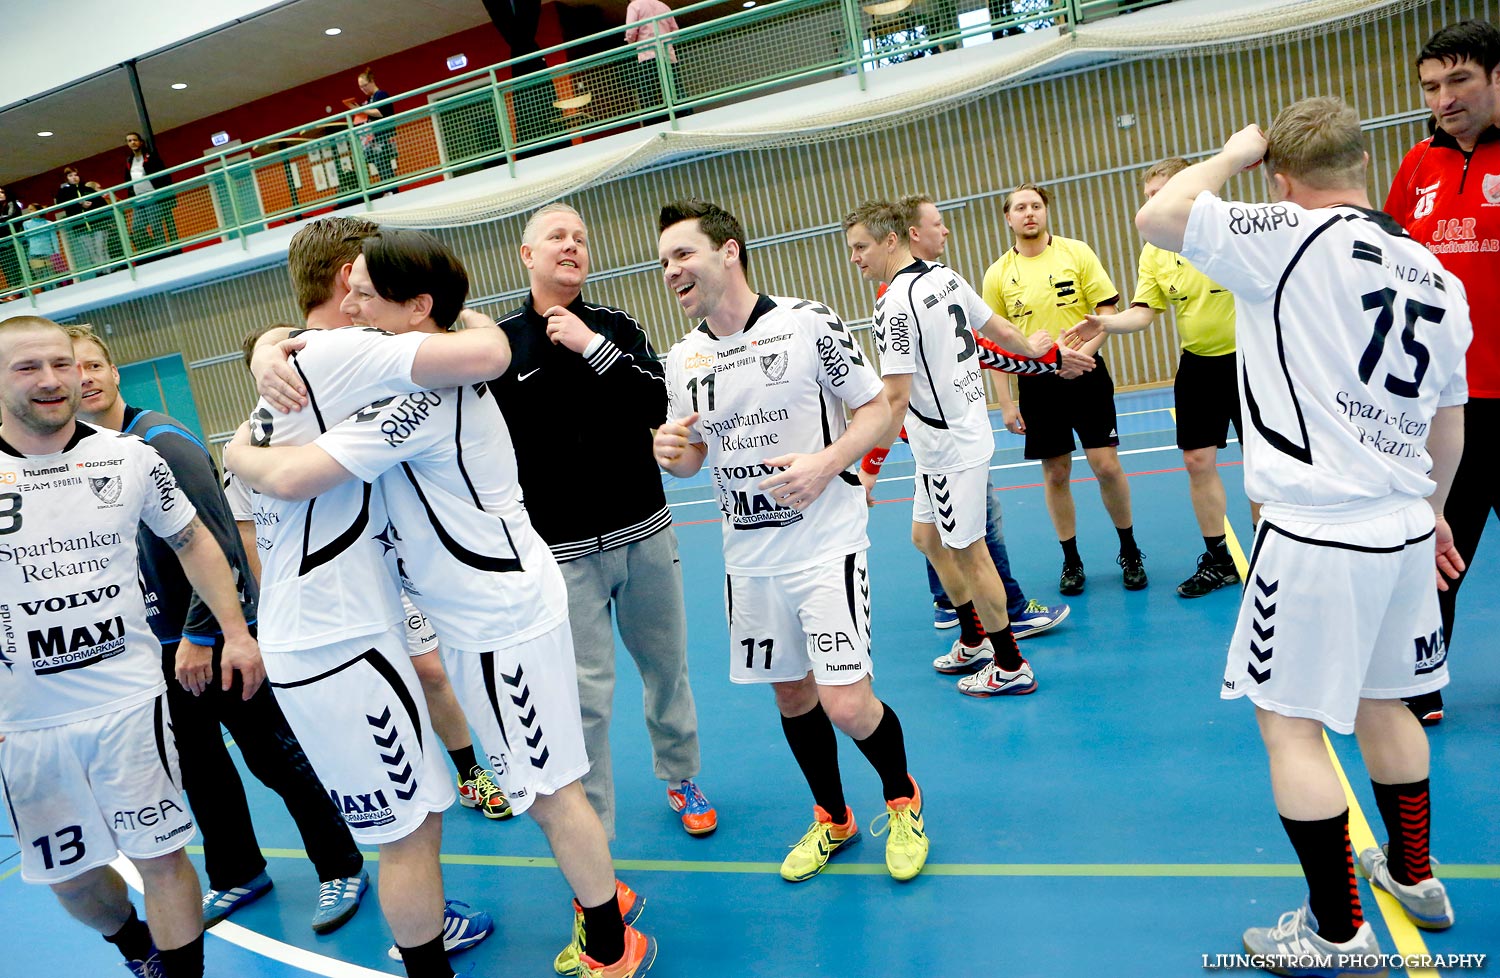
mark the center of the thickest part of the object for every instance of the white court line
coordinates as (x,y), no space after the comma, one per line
(993,468)
(266,947)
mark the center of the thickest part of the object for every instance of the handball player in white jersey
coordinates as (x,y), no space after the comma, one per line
(332,628)
(463,547)
(757,391)
(88,768)
(1351,340)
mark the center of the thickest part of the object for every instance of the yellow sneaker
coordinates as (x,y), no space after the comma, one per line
(822,840)
(906,845)
(480,791)
(632,905)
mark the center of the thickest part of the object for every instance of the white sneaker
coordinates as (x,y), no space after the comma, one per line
(1294,948)
(1426,903)
(994,681)
(961,658)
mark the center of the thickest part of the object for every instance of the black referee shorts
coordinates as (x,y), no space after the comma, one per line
(1055,408)
(1207,393)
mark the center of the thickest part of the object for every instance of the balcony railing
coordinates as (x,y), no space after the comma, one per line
(490,116)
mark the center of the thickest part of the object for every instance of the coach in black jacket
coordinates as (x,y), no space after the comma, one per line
(583,392)
(153,222)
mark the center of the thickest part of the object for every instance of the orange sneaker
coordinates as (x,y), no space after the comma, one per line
(639,956)
(698,816)
(821,841)
(632,905)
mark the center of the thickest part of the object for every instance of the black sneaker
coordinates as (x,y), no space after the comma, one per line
(1212,574)
(1134,566)
(1071,581)
(1426,707)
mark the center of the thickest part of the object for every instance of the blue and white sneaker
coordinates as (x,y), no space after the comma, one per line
(1293,947)
(1037,618)
(338,899)
(460,931)
(944,616)
(218,904)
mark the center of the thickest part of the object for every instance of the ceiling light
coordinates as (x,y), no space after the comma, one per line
(178,86)
(748,4)
(334,31)
(45,132)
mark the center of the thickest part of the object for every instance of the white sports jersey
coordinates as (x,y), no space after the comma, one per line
(771,389)
(1351,336)
(463,543)
(322,577)
(924,326)
(239,496)
(74,642)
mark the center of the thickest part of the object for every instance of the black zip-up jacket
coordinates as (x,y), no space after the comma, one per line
(582,430)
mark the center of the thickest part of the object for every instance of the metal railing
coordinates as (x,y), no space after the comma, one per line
(490,116)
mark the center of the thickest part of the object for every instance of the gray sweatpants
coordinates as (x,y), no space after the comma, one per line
(644,582)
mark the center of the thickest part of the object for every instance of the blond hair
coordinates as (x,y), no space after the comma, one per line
(1318,142)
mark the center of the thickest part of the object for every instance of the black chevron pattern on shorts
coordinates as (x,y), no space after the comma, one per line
(1262,596)
(942,499)
(393,755)
(534,734)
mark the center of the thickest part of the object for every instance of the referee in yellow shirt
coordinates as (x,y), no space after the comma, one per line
(1051,283)
(1206,392)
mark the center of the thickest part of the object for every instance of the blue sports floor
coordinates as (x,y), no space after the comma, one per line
(1118,822)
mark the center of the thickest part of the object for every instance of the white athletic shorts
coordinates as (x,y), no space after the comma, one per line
(815,620)
(421,637)
(522,702)
(357,708)
(81,793)
(956,501)
(1333,613)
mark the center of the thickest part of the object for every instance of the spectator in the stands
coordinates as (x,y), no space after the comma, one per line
(85,249)
(152,221)
(101,222)
(641,29)
(378,148)
(10,224)
(42,250)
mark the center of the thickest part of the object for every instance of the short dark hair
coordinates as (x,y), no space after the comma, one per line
(404,264)
(1467,40)
(715,222)
(879,217)
(247,345)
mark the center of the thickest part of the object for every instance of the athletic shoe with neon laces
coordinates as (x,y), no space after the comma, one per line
(698,816)
(338,899)
(961,658)
(1070,582)
(1294,948)
(149,968)
(1213,573)
(479,791)
(1134,566)
(639,956)
(632,905)
(1037,618)
(461,931)
(906,845)
(994,681)
(218,904)
(1426,903)
(821,841)
(944,616)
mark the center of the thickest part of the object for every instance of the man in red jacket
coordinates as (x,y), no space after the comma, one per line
(1447,196)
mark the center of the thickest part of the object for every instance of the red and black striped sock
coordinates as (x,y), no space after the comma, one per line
(1407,812)
(1328,864)
(971,631)
(1007,655)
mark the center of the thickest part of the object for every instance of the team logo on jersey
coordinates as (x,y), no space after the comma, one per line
(697,360)
(1431,652)
(774,366)
(8,477)
(1426,201)
(1491,187)
(107,488)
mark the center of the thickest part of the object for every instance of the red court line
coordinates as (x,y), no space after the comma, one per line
(1028,485)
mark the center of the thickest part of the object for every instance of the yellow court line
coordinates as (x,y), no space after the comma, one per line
(1044,870)
(1403,932)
